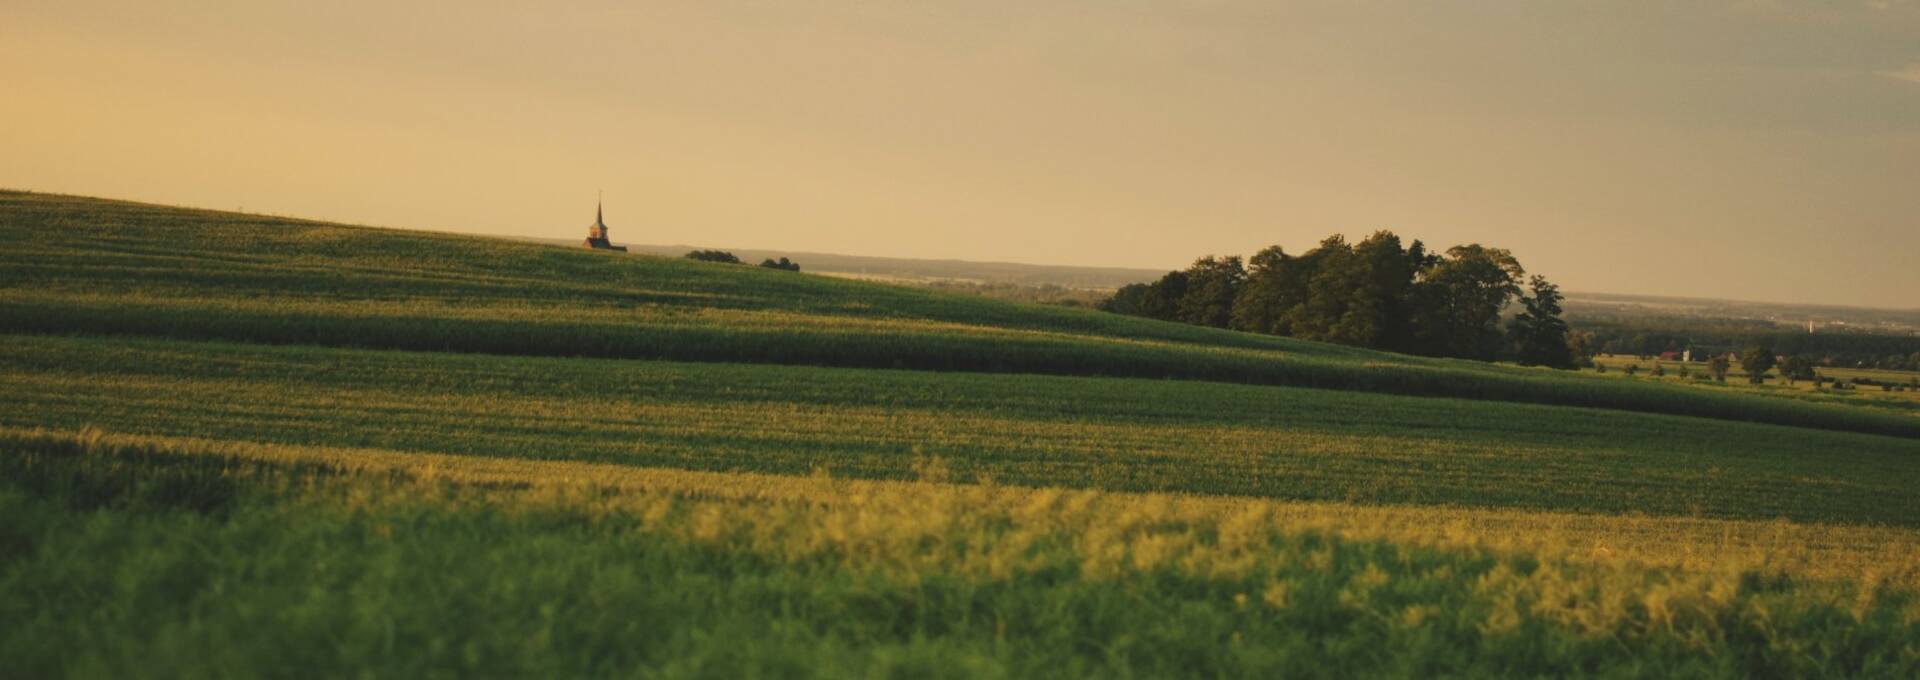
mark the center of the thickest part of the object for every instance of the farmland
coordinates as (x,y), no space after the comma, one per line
(233,444)
(1886,389)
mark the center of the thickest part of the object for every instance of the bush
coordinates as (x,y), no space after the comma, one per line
(713,256)
(783,264)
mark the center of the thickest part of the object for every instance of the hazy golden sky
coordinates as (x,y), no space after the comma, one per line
(1756,150)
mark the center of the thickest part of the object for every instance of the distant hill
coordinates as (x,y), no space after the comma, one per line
(1614,307)
(924,271)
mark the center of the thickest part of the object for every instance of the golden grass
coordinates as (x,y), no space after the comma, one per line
(913,523)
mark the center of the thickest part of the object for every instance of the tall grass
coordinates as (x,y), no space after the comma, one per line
(268,560)
(100,267)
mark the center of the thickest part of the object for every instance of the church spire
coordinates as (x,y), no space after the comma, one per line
(597,234)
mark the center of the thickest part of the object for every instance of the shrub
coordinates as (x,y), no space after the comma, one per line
(713,256)
(783,264)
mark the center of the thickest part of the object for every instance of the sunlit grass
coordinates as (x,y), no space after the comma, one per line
(353,559)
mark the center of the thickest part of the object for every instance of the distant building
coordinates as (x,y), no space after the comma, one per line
(597,234)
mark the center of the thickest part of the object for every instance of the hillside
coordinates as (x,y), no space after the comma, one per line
(95,266)
(232,445)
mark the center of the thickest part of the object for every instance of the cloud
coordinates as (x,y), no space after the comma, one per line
(1911,73)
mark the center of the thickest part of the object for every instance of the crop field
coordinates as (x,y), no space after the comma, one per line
(1121,434)
(233,445)
(1901,394)
(102,267)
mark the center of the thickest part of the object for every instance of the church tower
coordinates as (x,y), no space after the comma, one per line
(597,234)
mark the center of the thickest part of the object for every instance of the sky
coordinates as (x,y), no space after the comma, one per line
(1745,150)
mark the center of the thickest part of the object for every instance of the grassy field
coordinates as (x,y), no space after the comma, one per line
(1109,433)
(239,446)
(408,564)
(102,267)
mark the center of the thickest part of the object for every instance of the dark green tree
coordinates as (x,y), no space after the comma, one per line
(1756,361)
(713,256)
(1211,287)
(1327,290)
(1157,300)
(1276,283)
(1717,367)
(781,264)
(1796,368)
(1539,334)
(1377,279)
(1456,305)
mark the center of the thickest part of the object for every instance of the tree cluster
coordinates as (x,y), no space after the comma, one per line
(725,257)
(1377,293)
(713,256)
(782,264)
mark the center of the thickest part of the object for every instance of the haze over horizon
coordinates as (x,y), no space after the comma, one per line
(1737,150)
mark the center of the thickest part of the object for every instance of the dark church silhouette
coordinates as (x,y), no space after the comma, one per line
(597,234)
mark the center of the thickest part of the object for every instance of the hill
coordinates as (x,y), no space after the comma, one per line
(110,267)
(233,445)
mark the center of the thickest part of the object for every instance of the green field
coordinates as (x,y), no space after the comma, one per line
(237,445)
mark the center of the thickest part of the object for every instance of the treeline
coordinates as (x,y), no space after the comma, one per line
(1377,293)
(1828,347)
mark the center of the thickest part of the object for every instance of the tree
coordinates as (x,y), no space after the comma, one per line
(1212,284)
(1157,300)
(1540,335)
(783,264)
(1797,367)
(713,256)
(1376,282)
(1327,288)
(1717,367)
(1756,361)
(1457,303)
(1581,343)
(1276,283)
(1659,370)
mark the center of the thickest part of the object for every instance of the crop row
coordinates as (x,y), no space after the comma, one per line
(80,266)
(1122,434)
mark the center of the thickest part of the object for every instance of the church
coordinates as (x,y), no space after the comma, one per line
(597,234)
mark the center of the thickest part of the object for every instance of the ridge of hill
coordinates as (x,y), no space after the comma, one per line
(93,266)
(917,269)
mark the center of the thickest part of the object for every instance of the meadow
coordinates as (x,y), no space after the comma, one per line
(234,445)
